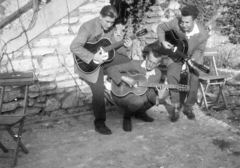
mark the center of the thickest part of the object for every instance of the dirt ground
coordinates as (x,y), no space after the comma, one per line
(73,143)
(231,115)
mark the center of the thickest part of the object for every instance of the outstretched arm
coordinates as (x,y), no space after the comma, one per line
(115,72)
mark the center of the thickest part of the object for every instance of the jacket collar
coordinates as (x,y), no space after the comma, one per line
(194,31)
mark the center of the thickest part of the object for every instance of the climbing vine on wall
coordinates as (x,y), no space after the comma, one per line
(131,12)
(221,15)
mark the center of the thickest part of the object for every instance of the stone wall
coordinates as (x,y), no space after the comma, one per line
(59,90)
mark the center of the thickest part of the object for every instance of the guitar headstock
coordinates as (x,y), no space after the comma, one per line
(141,32)
(183,88)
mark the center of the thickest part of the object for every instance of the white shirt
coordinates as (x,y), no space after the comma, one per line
(195,30)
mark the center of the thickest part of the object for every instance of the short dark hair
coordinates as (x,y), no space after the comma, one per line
(110,11)
(190,10)
(157,50)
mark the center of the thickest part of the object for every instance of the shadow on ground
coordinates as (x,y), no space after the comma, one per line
(73,143)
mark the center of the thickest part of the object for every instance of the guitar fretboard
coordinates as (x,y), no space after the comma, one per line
(117,44)
(165,86)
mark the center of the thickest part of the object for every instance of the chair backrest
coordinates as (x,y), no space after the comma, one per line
(16,79)
(212,53)
(2,89)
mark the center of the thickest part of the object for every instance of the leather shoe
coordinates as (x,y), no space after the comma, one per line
(127,125)
(189,113)
(103,129)
(144,117)
(175,115)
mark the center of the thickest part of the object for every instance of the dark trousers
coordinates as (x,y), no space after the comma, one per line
(173,77)
(133,104)
(97,88)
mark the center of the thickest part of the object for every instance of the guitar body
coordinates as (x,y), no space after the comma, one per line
(141,87)
(182,45)
(105,45)
(124,89)
(94,48)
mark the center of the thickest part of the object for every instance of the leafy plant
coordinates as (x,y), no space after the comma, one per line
(224,15)
(132,12)
(229,23)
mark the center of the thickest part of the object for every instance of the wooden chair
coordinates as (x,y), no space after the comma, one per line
(8,121)
(213,79)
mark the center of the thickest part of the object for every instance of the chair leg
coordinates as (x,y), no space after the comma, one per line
(19,143)
(3,148)
(16,137)
(223,96)
(219,93)
(204,95)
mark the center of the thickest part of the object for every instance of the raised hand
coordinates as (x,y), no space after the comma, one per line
(160,89)
(163,93)
(127,42)
(167,45)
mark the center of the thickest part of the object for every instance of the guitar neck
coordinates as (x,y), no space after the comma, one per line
(117,44)
(165,86)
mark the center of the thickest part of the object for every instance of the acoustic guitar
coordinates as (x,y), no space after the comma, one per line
(179,51)
(141,87)
(105,45)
